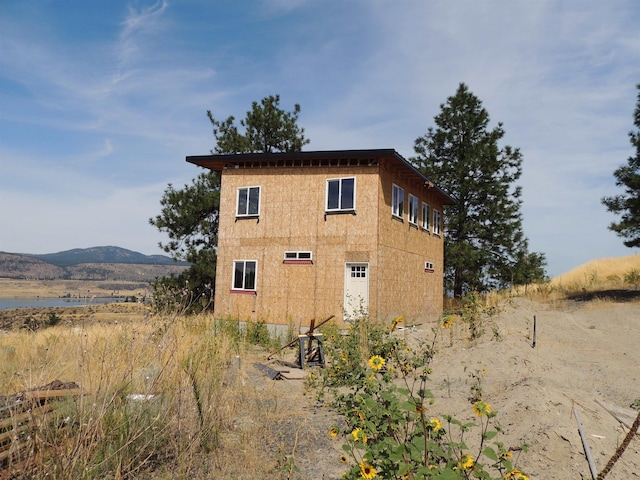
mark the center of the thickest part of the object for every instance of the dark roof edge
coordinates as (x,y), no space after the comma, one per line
(383,152)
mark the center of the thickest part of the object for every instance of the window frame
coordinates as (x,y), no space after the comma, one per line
(397,207)
(340,208)
(243,288)
(299,257)
(437,222)
(426,217)
(412,210)
(248,201)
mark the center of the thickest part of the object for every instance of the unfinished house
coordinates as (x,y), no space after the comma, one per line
(306,235)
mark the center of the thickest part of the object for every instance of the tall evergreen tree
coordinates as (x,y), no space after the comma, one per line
(484,243)
(190,216)
(627,204)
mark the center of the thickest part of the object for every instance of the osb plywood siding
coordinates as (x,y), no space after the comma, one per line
(404,286)
(292,218)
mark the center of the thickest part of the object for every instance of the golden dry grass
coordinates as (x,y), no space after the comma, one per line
(10,288)
(599,271)
(205,419)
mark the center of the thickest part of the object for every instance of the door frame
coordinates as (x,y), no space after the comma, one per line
(364,306)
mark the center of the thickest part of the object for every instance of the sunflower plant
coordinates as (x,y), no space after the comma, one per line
(379,385)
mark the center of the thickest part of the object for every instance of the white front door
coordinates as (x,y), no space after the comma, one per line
(356,290)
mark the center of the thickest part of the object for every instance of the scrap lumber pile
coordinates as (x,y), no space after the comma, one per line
(22,414)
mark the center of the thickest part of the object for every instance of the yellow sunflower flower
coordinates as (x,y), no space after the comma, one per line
(481,408)
(466,462)
(367,471)
(359,436)
(515,475)
(333,432)
(447,321)
(435,424)
(343,459)
(377,362)
(396,321)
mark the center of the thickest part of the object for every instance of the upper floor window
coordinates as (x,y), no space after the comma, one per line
(341,194)
(244,275)
(426,216)
(436,222)
(397,205)
(413,210)
(248,202)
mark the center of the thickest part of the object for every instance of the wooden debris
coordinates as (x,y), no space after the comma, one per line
(625,416)
(22,412)
(272,373)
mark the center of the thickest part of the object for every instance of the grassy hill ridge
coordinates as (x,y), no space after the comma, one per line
(97,263)
(106,254)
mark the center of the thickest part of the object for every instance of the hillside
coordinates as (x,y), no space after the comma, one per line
(107,254)
(609,270)
(97,263)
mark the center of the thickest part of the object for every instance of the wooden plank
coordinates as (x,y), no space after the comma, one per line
(21,417)
(49,394)
(12,433)
(268,371)
(626,416)
(294,374)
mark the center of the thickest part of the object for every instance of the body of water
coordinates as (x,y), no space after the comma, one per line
(28,302)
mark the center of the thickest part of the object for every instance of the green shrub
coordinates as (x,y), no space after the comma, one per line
(379,386)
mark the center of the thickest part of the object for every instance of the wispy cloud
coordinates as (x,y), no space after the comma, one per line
(103,105)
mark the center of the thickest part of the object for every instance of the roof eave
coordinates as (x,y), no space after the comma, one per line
(218,162)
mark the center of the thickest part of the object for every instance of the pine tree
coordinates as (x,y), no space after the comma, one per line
(190,216)
(628,204)
(484,244)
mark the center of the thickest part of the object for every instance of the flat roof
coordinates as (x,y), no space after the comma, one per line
(322,158)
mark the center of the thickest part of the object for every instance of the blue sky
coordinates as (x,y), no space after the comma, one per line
(101,101)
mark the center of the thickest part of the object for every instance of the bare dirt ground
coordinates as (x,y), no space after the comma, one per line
(585,351)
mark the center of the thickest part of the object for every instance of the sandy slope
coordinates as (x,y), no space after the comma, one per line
(584,352)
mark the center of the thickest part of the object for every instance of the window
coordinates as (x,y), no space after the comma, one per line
(397,206)
(341,195)
(436,222)
(244,275)
(428,267)
(298,257)
(413,210)
(426,216)
(248,202)
(358,271)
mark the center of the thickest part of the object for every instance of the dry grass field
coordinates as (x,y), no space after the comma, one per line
(10,288)
(209,413)
(605,272)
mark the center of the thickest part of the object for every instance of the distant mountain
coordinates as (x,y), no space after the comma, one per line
(97,263)
(103,255)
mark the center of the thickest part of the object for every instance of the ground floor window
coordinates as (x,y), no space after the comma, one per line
(244,275)
(298,257)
